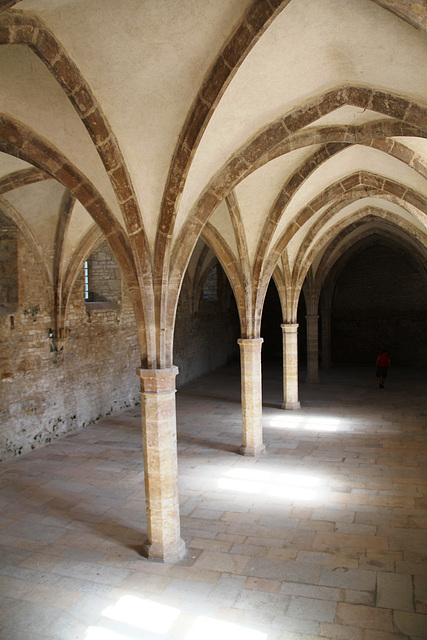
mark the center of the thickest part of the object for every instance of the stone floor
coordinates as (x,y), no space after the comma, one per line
(323,536)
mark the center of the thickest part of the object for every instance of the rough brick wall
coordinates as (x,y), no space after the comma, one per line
(205,338)
(104,275)
(8,264)
(380,302)
(45,394)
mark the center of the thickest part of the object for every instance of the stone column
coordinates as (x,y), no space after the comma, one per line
(326,340)
(312,348)
(250,363)
(164,541)
(290,367)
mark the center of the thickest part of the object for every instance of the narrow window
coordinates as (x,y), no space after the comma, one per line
(102,283)
(86,280)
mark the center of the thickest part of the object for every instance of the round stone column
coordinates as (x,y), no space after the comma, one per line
(312,348)
(250,363)
(164,541)
(290,366)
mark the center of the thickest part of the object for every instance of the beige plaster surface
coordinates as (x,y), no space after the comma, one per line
(80,223)
(35,98)
(38,206)
(8,164)
(257,193)
(157,56)
(341,44)
(222,222)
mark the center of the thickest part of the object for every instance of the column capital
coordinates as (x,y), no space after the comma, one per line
(250,341)
(290,328)
(157,380)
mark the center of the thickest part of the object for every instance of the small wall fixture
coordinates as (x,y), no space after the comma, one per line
(58,340)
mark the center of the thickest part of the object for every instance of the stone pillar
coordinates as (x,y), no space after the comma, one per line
(326,340)
(290,367)
(250,363)
(312,348)
(164,541)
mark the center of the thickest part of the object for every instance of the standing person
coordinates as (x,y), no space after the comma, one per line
(383,364)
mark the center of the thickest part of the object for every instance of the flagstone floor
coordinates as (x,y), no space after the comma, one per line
(323,536)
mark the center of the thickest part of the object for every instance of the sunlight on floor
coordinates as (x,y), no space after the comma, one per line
(100,633)
(140,613)
(143,614)
(210,629)
(287,485)
(306,424)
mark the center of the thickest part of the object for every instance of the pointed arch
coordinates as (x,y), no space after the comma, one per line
(23,143)
(288,133)
(23,29)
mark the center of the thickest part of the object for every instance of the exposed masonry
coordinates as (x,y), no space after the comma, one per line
(394,305)
(104,276)
(21,179)
(48,392)
(197,349)
(8,266)
(363,220)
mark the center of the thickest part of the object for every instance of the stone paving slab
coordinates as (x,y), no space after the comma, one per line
(322,537)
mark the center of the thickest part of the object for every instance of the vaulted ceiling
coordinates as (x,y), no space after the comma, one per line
(278,131)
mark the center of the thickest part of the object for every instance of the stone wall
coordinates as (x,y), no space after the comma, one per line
(380,302)
(104,276)
(8,265)
(45,393)
(205,336)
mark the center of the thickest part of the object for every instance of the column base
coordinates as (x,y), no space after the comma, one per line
(291,405)
(252,451)
(169,553)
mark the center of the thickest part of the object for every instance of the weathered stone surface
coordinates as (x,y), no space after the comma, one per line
(47,47)
(96,125)
(250,359)
(160,463)
(264,142)
(237,46)
(290,367)
(301,118)
(392,106)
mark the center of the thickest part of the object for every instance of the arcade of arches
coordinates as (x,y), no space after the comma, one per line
(214,175)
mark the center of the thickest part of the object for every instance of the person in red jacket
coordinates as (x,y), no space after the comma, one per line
(383,365)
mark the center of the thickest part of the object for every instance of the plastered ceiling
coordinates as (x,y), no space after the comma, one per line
(211,118)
